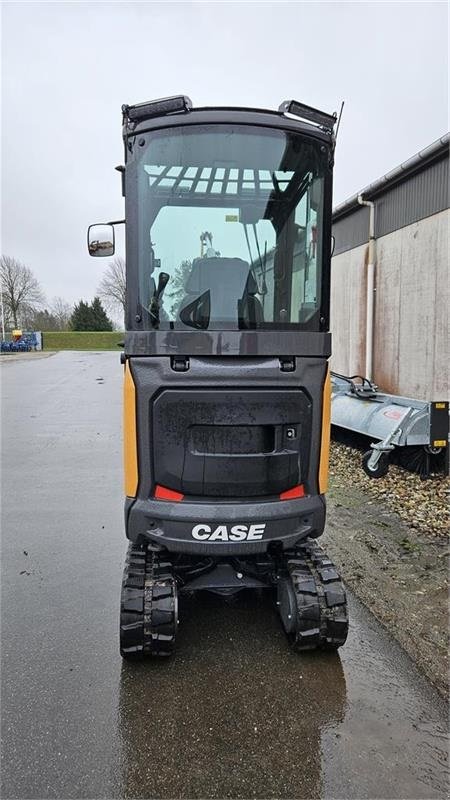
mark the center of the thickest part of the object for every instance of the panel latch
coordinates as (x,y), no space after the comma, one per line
(287,364)
(179,363)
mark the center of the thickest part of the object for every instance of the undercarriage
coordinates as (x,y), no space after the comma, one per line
(306,586)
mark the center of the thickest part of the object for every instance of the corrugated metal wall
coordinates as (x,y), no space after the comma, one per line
(419,196)
(352,230)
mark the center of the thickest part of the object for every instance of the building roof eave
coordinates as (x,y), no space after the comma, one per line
(437,148)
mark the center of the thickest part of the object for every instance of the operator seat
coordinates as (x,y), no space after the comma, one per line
(221,290)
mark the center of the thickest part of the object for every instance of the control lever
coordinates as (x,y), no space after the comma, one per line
(154,306)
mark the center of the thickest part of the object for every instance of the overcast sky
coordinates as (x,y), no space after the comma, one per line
(68,67)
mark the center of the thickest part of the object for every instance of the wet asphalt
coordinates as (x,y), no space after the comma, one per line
(234,714)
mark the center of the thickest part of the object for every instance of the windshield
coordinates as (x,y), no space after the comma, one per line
(230,229)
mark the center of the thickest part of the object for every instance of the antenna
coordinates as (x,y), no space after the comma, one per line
(339,120)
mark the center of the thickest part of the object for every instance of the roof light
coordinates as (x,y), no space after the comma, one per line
(162,493)
(157,108)
(308,112)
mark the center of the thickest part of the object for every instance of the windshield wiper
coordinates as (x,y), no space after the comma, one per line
(262,263)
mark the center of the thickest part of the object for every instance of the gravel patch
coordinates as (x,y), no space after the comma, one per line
(389,540)
(422,504)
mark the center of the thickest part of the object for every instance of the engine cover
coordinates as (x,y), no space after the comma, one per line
(230,442)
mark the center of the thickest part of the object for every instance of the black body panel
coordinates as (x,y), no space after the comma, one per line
(228,343)
(231,443)
(172,405)
(439,423)
(170,525)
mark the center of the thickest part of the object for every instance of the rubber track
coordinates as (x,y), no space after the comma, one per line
(148,613)
(322,618)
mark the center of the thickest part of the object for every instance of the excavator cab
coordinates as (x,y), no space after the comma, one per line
(226,379)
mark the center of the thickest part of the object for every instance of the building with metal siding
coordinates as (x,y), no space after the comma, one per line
(413,191)
(410,328)
(350,231)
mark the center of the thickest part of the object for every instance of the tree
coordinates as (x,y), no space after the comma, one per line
(54,319)
(90,317)
(99,316)
(112,287)
(41,321)
(177,286)
(81,317)
(21,292)
(61,310)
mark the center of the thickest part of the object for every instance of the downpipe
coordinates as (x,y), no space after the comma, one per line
(370,287)
(379,448)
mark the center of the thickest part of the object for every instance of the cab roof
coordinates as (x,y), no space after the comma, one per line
(176,111)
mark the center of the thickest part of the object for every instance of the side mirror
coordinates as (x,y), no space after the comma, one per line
(333,244)
(101,241)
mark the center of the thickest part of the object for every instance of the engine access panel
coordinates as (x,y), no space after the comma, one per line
(230,442)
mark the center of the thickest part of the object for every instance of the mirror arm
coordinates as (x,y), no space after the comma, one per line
(121,169)
(116,222)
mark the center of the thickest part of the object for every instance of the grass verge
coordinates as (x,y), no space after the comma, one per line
(82,340)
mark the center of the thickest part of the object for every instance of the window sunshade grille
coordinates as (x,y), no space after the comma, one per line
(217,181)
